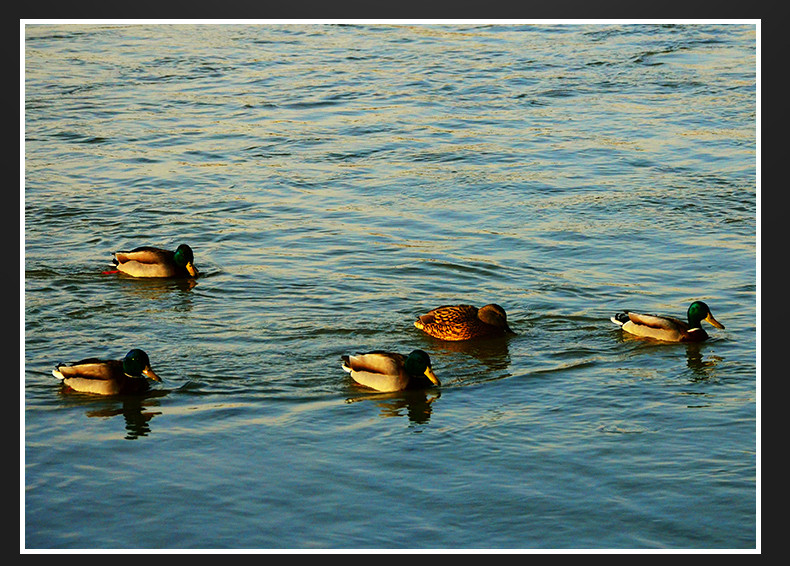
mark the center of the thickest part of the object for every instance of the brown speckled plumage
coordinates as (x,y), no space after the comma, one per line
(464,322)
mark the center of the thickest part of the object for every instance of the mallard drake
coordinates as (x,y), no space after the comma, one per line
(388,371)
(668,328)
(147,261)
(464,322)
(108,377)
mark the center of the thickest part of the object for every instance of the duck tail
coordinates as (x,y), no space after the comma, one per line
(620,318)
(113,263)
(346,366)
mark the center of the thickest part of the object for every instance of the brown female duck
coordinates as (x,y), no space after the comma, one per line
(464,322)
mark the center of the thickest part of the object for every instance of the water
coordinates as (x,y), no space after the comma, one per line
(337,181)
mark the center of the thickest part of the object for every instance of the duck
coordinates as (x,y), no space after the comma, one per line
(149,261)
(464,322)
(667,328)
(108,377)
(390,371)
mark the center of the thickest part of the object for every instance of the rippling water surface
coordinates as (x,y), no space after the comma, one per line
(337,181)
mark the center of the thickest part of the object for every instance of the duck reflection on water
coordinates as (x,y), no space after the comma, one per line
(137,410)
(416,404)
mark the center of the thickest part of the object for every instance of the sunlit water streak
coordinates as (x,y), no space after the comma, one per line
(337,181)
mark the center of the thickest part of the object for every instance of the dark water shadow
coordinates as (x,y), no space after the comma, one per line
(417,405)
(156,284)
(492,353)
(702,369)
(136,410)
(176,291)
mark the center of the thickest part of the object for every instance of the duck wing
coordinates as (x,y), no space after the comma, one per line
(382,371)
(661,322)
(380,362)
(145,254)
(90,368)
(450,315)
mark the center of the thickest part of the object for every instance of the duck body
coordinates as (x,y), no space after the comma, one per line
(464,322)
(667,328)
(148,261)
(390,371)
(108,377)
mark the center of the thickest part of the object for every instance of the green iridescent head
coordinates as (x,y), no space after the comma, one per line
(699,311)
(418,364)
(137,364)
(183,257)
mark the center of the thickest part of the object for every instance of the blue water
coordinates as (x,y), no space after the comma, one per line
(337,181)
